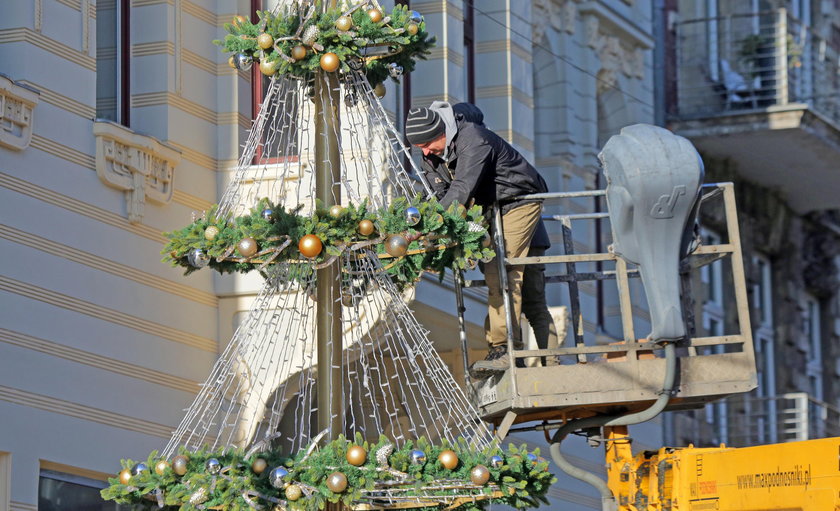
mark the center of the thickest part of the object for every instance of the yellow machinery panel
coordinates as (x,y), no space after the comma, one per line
(795,476)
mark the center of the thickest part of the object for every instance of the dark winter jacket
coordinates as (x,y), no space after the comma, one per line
(481,166)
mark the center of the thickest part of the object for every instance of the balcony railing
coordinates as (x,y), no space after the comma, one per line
(784,418)
(754,61)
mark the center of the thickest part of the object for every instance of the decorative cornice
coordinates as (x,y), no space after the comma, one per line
(557,15)
(614,56)
(17,101)
(139,165)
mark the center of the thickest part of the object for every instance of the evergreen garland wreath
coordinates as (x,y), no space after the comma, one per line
(398,38)
(517,478)
(454,238)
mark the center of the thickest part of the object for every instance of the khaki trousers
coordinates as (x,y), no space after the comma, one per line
(519,225)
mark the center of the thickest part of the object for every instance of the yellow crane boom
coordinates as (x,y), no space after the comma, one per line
(795,476)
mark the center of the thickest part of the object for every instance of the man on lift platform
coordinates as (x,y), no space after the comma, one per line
(468,163)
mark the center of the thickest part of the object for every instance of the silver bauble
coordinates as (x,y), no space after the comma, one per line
(197,258)
(496,461)
(277,477)
(395,70)
(416,17)
(213,466)
(310,35)
(532,457)
(418,457)
(139,468)
(242,62)
(412,216)
(266,214)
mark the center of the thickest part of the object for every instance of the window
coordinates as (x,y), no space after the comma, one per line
(112,61)
(811,330)
(58,491)
(282,141)
(766,424)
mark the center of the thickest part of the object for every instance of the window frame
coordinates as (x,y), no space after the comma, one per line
(122,39)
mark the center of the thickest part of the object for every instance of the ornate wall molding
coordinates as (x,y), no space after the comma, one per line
(139,165)
(615,57)
(17,101)
(553,14)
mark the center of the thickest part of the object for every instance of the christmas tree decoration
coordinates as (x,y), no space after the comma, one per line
(232,62)
(211,232)
(265,41)
(330,288)
(415,17)
(356,455)
(277,477)
(412,216)
(380,90)
(180,464)
(268,67)
(330,62)
(448,459)
(479,475)
(366,227)
(242,62)
(395,70)
(337,482)
(259,465)
(293,492)
(418,457)
(375,15)
(310,246)
(412,29)
(125,476)
(496,461)
(161,467)
(239,20)
(247,247)
(299,52)
(213,466)
(336,211)
(344,23)
(396,245)
(532,457)
(487,240)
(198,258)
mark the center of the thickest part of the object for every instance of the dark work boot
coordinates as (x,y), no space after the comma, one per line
(496,360)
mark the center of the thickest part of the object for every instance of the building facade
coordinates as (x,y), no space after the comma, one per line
(754,84)
(121,119)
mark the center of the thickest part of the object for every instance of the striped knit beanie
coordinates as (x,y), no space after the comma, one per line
(423,125)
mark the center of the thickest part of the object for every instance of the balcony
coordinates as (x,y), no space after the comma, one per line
(763,91)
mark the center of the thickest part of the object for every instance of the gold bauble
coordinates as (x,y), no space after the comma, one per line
(380,90)
(247,247)
(293,492)
(299,52)
(356,455)
(412,28)
(337,482)
(487,242)
(375,15)
(265,41)
(310,246)
(179,464)
(231,62)
(268,67)
(448,459)
(479,475)
(344,23)
(239,20)
(259,465)
(366,227)
(161,467)
(336,211)
(330,62)
(211,232)
(396,245)
(125,476)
